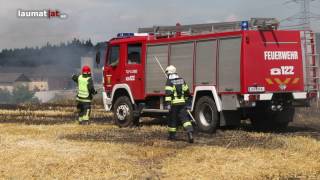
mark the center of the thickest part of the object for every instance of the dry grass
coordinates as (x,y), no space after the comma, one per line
(104,151)
(297,157)
(48,114)
(43,152)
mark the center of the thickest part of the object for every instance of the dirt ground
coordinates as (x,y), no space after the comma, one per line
(46,143)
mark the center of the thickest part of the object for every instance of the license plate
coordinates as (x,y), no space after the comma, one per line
(256,89)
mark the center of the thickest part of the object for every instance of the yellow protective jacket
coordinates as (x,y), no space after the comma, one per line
(85,87)
(177,91)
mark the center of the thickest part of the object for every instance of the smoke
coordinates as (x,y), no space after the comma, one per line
(37,33)
(95,19)
(18,32)
(101,20)
(232,17)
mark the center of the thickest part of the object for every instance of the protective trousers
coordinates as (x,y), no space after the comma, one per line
(179,112)
(84,109)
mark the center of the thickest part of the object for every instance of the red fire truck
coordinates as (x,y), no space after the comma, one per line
(239,70)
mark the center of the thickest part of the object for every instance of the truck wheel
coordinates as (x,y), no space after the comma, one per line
(123,112)
(206,115)
(265,120)
(285,116)
(261,121)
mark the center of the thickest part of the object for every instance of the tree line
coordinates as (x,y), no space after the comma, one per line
(19,94)
(67,54)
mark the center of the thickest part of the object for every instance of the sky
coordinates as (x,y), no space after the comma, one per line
(100,20)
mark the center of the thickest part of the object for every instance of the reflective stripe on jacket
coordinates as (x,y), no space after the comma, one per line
(177,91)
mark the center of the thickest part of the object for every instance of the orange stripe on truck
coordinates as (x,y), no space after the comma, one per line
(269,81)
(287,81)
(278,81)
(295,81)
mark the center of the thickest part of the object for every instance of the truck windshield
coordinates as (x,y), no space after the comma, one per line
(114,56)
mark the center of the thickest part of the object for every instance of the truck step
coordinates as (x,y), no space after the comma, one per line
(312,66)
(310,54)
(154,111)
(313,90)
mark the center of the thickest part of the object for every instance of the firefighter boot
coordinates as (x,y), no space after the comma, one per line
(80,121)
(190,137)
(86,122)
(172,136)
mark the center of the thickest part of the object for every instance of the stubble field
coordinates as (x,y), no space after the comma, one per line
(45,142)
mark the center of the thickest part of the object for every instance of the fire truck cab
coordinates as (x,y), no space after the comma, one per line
(234,73)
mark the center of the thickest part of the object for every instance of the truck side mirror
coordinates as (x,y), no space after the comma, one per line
(98,56)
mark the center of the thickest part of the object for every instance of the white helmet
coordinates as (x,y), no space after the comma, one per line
(171,69)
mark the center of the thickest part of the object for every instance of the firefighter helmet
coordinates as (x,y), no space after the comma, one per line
(86,70)
(171,69)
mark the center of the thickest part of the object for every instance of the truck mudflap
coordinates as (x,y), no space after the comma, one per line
(107,102)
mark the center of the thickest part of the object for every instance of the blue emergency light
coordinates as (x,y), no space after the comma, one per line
(122,35)
(244,25)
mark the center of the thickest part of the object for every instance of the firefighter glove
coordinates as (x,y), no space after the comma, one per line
(167,106)
(74,76)
(189,103)
(188,107)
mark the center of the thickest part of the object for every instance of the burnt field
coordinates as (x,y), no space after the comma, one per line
(45,142)
(47,113)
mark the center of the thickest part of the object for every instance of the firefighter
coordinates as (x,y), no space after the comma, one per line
(177,95)
(85,94)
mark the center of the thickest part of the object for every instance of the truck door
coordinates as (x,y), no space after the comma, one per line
(112,74)
(134,69)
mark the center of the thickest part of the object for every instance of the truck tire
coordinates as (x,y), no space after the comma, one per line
(123,112)
(206,115)
(283,118)
(266,120)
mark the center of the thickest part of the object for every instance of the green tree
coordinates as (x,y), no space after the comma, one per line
(21,94)
(5,96)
